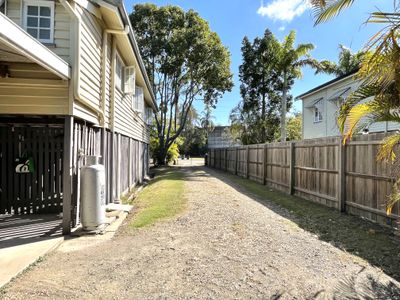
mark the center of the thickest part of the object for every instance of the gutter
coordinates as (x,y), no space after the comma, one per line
(132,39)
(77,64)
(326,84)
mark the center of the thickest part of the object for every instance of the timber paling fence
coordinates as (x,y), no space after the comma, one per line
(346,177)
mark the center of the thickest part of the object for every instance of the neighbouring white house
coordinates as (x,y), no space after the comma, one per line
(220,137)
(321,108)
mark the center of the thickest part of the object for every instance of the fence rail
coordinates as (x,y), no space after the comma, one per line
(346,177)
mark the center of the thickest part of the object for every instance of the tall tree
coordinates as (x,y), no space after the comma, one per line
(378,97)
(290,61)
(256,117)
(194,136)
(185,61)
(207,119)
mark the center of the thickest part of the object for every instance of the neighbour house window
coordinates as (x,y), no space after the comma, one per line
(119,73)
(39,20)
(318,109)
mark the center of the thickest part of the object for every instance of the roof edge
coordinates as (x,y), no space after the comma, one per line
(131,34)
(326,84)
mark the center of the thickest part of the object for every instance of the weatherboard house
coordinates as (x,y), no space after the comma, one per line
(321,107)
(72,85)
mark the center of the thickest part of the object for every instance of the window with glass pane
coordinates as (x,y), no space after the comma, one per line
(119,68)
(317,115)
(39,19)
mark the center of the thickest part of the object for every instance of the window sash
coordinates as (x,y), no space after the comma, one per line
(119,69)
(39,22)
(138,100)
(317,115)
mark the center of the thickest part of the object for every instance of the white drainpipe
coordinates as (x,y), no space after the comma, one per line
(77,64)
(106,32)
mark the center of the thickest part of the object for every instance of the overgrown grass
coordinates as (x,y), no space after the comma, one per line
(373,243)
(162,198)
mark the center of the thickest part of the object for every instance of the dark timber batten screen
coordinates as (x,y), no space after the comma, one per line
(40,189)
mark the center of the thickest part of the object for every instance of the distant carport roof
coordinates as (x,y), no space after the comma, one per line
(13,37)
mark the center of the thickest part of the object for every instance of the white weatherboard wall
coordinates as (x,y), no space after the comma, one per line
(44,93)
(123,119)
(328,126)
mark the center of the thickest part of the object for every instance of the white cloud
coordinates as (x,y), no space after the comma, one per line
(283,10)
(282,28)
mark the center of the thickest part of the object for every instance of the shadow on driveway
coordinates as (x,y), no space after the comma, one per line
(20,230)
(374,243)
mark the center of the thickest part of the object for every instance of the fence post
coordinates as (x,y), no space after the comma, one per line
(292,161)
(341,181)
(247,161)
(226,159)
(67,174)
(265,173)
(236,160)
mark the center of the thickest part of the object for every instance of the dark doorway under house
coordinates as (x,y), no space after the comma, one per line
(31,161)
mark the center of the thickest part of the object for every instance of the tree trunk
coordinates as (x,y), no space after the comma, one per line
(283,109)
(162,156)
(263,109)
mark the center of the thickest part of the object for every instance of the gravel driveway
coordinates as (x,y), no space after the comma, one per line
(225,246)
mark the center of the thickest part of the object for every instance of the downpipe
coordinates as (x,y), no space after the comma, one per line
(77,64)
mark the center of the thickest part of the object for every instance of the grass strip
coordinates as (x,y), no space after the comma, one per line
(162,198)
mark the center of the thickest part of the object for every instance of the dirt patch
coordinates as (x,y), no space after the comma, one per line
(225,246)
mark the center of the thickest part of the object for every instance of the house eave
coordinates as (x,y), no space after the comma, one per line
(18,39)
(326,85)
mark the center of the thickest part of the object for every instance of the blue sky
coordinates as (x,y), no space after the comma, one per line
(234,19)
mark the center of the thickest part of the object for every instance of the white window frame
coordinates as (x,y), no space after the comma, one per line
(42,3)
(136,105)
(129,80)
(119,78)
(317,115)
(148,115)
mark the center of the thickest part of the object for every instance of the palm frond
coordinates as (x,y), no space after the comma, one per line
(325,10)
(356,97)
(327,67)
(393,198)
(354,116)
(303,49)
(387,149)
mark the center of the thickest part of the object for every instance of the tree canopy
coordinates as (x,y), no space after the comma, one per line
(267,74)
(256,118)
(185,61)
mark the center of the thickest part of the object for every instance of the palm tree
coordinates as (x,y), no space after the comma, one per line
(348,62)
(206,120)
(380,75)
(290,62)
